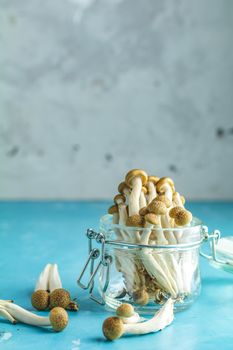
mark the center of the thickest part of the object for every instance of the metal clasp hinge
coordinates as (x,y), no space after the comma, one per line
(105,261)
(213,238)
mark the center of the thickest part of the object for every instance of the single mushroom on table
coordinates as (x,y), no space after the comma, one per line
(135,179)
(57,318)
(113,327)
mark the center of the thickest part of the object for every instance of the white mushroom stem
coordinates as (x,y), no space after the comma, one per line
(126,193)
(169,235)
(54,278)
(142,200)
(151,264)
(43,280)
(160,320)
(135,196)
(132,319)
(5,314)
(152,191)
(165,260)
(22,315)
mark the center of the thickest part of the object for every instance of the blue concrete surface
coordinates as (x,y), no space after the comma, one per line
(35,233)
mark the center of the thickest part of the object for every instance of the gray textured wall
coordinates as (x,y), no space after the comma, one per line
(89,89)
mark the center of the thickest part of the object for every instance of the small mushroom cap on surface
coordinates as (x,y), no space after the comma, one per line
(136,173)
(123,186)
(141,297)
(119,198)
(58,318)
(164,199)
(113,209)
(113,328)
(183,217)
(135,221)
(157,207)
(40,299)
(153,179)
(125,310)
(162,181)
(152,219)
(59,297)
(143,211)
(173,212)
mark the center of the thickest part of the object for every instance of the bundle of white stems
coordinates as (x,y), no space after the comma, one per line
(154,207)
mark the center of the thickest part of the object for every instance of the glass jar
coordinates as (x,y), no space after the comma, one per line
(145,275)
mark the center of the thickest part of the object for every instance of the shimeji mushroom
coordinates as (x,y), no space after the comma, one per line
(57,318)
(40,297)
(151,185)
(166,186)
(113,327)
(119,200)
(135,179)
(127,313)
(141,297)
(124,189)
(183,217)
(58,295)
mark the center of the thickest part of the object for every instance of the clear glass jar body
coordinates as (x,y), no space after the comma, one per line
(147,275)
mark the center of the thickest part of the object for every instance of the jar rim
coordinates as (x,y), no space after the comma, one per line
(106,221)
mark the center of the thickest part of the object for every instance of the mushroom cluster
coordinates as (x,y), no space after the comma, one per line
(49,293)
(149,211)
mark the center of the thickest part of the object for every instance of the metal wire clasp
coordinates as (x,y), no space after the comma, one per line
(213,238)
(105,261)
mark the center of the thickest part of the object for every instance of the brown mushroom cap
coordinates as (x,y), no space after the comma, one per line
(157,207)
(135,221)
(40,299)
(135,173)
(152,219)
(119,198)
(113,209)
(183,217)
(153,179)
(143,211)
(164,199)
(58,318)
(125,310)
(141,297)
(59,297)
(173,212)
(122,187)
(113,328)
(162,181)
